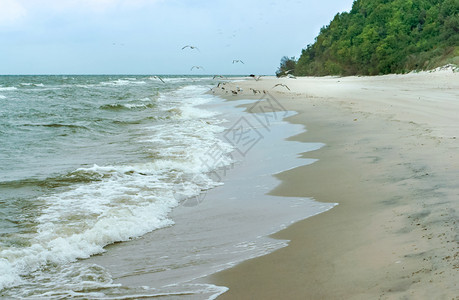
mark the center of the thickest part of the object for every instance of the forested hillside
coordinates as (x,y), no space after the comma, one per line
(383,36)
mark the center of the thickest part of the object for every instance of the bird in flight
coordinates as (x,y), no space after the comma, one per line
(219,76)
(157,77)
(255,77)
(237,61)
(196,67)
(281,84)
(191,47)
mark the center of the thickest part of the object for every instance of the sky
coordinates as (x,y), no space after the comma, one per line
(147,36)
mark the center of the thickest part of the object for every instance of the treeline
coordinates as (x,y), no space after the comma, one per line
(382,36)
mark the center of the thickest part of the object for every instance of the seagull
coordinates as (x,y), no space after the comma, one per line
(255,77)
(281,84)
(157,77)
(196,67)
(219,76)
(237,61)
(191,47)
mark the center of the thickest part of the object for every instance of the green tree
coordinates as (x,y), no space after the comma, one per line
(287,66)
(384,36)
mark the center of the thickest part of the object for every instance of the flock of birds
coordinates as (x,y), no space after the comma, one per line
(221,85)
(191,47)
(235,91)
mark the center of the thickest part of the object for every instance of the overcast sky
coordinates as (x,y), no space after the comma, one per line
(147,36)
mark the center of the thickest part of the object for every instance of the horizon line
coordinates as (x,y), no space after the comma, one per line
(131,74)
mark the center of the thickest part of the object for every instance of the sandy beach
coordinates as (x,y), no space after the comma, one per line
(391,162)
(148,150)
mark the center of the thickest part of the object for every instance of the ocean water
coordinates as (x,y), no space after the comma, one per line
(128,187)
(88,161)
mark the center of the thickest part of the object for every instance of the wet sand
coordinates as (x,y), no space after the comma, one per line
(391,162)
(223,226)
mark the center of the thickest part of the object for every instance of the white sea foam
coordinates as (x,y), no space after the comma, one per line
(132,105)
(2,97)
(174,79)
(8,88)
(32,84)
(121,82)
(129,200)
(186,107)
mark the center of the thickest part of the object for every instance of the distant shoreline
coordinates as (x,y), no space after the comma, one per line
(391,163)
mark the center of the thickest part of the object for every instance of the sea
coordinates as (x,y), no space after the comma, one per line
(89,164)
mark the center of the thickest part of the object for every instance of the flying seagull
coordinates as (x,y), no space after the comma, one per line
(237,61)
(219,76)
(255,77)
(157,77)
(281,84)
(191,47)
(196,67)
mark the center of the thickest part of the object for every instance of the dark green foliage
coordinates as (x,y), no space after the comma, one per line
(384,36)
(287,66)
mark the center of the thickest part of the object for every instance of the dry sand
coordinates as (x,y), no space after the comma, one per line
(391,162)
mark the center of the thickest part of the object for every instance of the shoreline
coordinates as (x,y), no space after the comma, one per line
(225,225)
(390,162)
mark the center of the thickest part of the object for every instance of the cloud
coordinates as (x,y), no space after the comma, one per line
(85,5)
(20,14)
(11,12)
(90,6)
